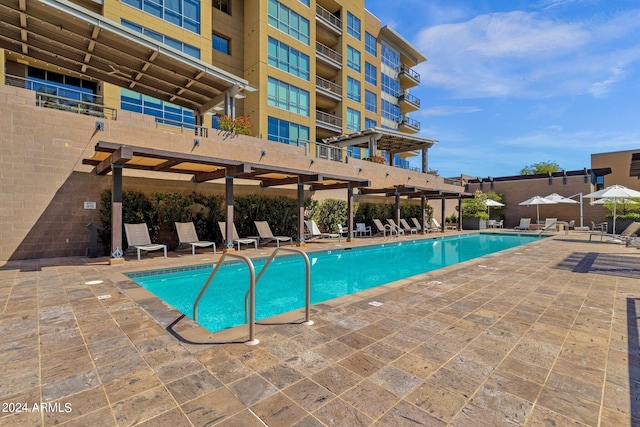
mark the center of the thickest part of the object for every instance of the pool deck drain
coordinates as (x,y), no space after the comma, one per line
(544,334)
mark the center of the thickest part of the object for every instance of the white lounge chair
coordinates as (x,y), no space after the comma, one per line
(187,235)
(395,227)
(245,241)
(435,225)
(363,229)
(524,224)
(426,229)
(138,238)
(317,234)
(406,227)
(550,224)
(267,236)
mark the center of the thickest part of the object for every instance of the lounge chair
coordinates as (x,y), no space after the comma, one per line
(138,238)
(363,229)
(267,236)
(427,228)
(245,241)
(343,231)
(406,227)
(395,227)
(317,234)
(601,226)
(382,228)
(187,235)
(524,224)
(549,225)
(627,236)
(435,225)
(500,224)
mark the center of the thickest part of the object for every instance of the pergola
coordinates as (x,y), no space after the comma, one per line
(88,45)
(113,157)
(389,140)
(424,194)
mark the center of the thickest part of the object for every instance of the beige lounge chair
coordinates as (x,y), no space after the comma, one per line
(549,225)
(427,228)
(317,234)
(236,239)
(382,228)
(187,235)
(138,238)
(524,224)
(267,236)
(406,227)
(627,236)
(395,227)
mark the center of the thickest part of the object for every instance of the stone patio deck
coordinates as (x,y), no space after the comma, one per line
(545,334)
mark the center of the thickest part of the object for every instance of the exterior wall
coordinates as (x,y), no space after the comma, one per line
(44,184)
(517,191)
(620,164)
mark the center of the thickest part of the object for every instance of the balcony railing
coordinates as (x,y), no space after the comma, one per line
(407,97)
(409,72)
(329,18)
(329,119)
(329,86)
(329,53)
(408,121)
(188,128)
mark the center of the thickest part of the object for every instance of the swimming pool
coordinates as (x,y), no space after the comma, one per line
(334,273)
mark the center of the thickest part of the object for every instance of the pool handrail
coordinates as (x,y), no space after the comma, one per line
(307,310)
(252,293)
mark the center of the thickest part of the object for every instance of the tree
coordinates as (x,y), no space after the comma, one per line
(540,167)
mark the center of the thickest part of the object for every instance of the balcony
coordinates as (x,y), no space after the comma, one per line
(408,125)
(408,102)
(328,122)
(408,77)
(328,93)
(329,56)
(329,20)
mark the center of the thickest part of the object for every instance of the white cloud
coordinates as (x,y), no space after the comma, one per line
(518,54)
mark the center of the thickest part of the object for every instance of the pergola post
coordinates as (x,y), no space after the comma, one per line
(116,215)
(350,234)
(459,213)
(300,240)
(423,210)
(425,160)
(397,213)
(442,201)
(228,214)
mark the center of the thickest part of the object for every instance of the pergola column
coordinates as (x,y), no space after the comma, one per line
(442,200)
(350,234)
(460,213)
(425,160)
(300,240)
(228,214)
(373,146)
(423,210)
(116,213)
(397,213)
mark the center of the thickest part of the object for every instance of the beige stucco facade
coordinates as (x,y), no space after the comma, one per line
(619,162)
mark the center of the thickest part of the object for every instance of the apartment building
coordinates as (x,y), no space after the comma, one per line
(322,68)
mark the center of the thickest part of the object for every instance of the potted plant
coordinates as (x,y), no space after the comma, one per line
(474,211)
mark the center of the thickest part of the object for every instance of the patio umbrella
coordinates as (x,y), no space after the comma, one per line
(537,200)
(559,199)
(615,193)
(491,202)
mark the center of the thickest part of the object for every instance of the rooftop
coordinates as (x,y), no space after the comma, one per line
(545,333)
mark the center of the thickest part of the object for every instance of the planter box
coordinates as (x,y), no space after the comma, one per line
(474,224)
(621,224)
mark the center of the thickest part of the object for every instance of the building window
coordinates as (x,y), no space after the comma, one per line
(288,59)
(353,89)
(353,25)
(165,112)
(287,97)
(390,85)
(223,5)
(390,111)
(599,182)
(390,57)
(56,84)
(289,22)
(370,44)
(369,123)
(183,13)
(370,74)
(370,101)
(286,132)
(176,44)
(220,44)
(304,2)
(353,119)
(353,58)
(355,152)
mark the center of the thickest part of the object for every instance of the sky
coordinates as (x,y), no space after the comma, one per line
(511,83)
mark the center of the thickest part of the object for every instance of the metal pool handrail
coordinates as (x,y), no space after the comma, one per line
(251,293)
(307,310)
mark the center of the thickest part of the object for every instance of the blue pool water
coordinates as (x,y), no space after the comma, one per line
(334,273)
